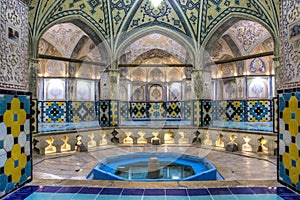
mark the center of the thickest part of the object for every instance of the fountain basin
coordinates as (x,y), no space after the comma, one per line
(173,167)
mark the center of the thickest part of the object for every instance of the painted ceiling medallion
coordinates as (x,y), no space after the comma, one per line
(156,3)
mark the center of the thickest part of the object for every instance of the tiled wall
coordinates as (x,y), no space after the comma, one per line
(289,96)
(15,139)
(289,137)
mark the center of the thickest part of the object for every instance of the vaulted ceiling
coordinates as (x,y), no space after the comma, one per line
(118,23)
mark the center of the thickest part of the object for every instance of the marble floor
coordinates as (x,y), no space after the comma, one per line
(232,166)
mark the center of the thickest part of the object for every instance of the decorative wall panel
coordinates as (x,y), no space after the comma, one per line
(81,111)
(289,138)
(139,110)
(188,110)
(259,111)
(15,139)
(34,115)
(206,111)
(123,111)
(104,112)
(14,45)
(219,110)
(114,113)
(173,110)
(157,110)
(197,113)
(54,111)
(275,115)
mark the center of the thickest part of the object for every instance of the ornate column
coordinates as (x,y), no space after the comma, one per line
(33,73)
(197,82)
(276,61)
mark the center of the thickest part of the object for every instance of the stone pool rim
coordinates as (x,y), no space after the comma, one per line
(112,163)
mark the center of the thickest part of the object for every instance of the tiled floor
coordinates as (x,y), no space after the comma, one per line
(86,193)
(232,166)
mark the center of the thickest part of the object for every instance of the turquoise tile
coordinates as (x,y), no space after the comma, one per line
(269,197)
(39,195)
(84,197)
(224,197)
(154,197)
(62,196)
(246,197)
(129,197)
(107,197)
(201,197)
(177,197)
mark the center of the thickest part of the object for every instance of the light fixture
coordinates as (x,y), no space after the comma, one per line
(156,3)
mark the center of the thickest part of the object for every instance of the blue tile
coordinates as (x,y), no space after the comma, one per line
(241,190)
(111,191)
(90,190)
(130,197)
(177,198)
(246,197)
(62,196)
(133,192)
(107,197)
(219,191)
(154,197)
(39,196)
(69,190)
(197,192)
(154,192)
(176,192)
(51,189)
(269,197)
(29,189)
(263,190)
(200,197)
(284,190)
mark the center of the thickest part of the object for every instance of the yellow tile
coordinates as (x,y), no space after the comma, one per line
(8,118)
(15,105)
(294,152)
(16,175)
(293,104)
(298,165)
(23,161)
(293,127)
(15,129)
(294,175)
(286,115)
(8,167)
(16,152)
(298,116)
(287,161)
(21,116)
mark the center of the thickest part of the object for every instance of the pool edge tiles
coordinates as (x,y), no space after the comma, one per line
(79,192)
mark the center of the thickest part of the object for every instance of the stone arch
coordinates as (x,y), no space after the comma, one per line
(178,37)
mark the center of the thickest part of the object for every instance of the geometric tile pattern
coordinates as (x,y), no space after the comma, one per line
(34,114)
(81,111)
(139,110)
(173,109)
(104,110)
(206,112)
(123,110)
(39,111)
(219,110)
(15,138)
(235,111)
(187,110)
(289,138)
(114,116)
(54,111)
(275,115)
(259,111)
(157,110)
(197,113)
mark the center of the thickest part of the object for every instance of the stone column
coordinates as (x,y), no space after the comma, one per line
(114,84)
(33,73)
(276,61)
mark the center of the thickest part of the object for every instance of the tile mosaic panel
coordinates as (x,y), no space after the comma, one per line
(275,115)
(289,138)
(34,114)
(173,109)
(235,111)
(81,111)
(206,112)
(197,113)
(219,110)
(54,111)
(139,110)
(157,110)
(259,111)
(114,113)
(187,110)
(104,109)
(123,111)
(15,139)
(39,110)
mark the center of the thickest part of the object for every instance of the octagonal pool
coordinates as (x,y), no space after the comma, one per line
(155,166)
